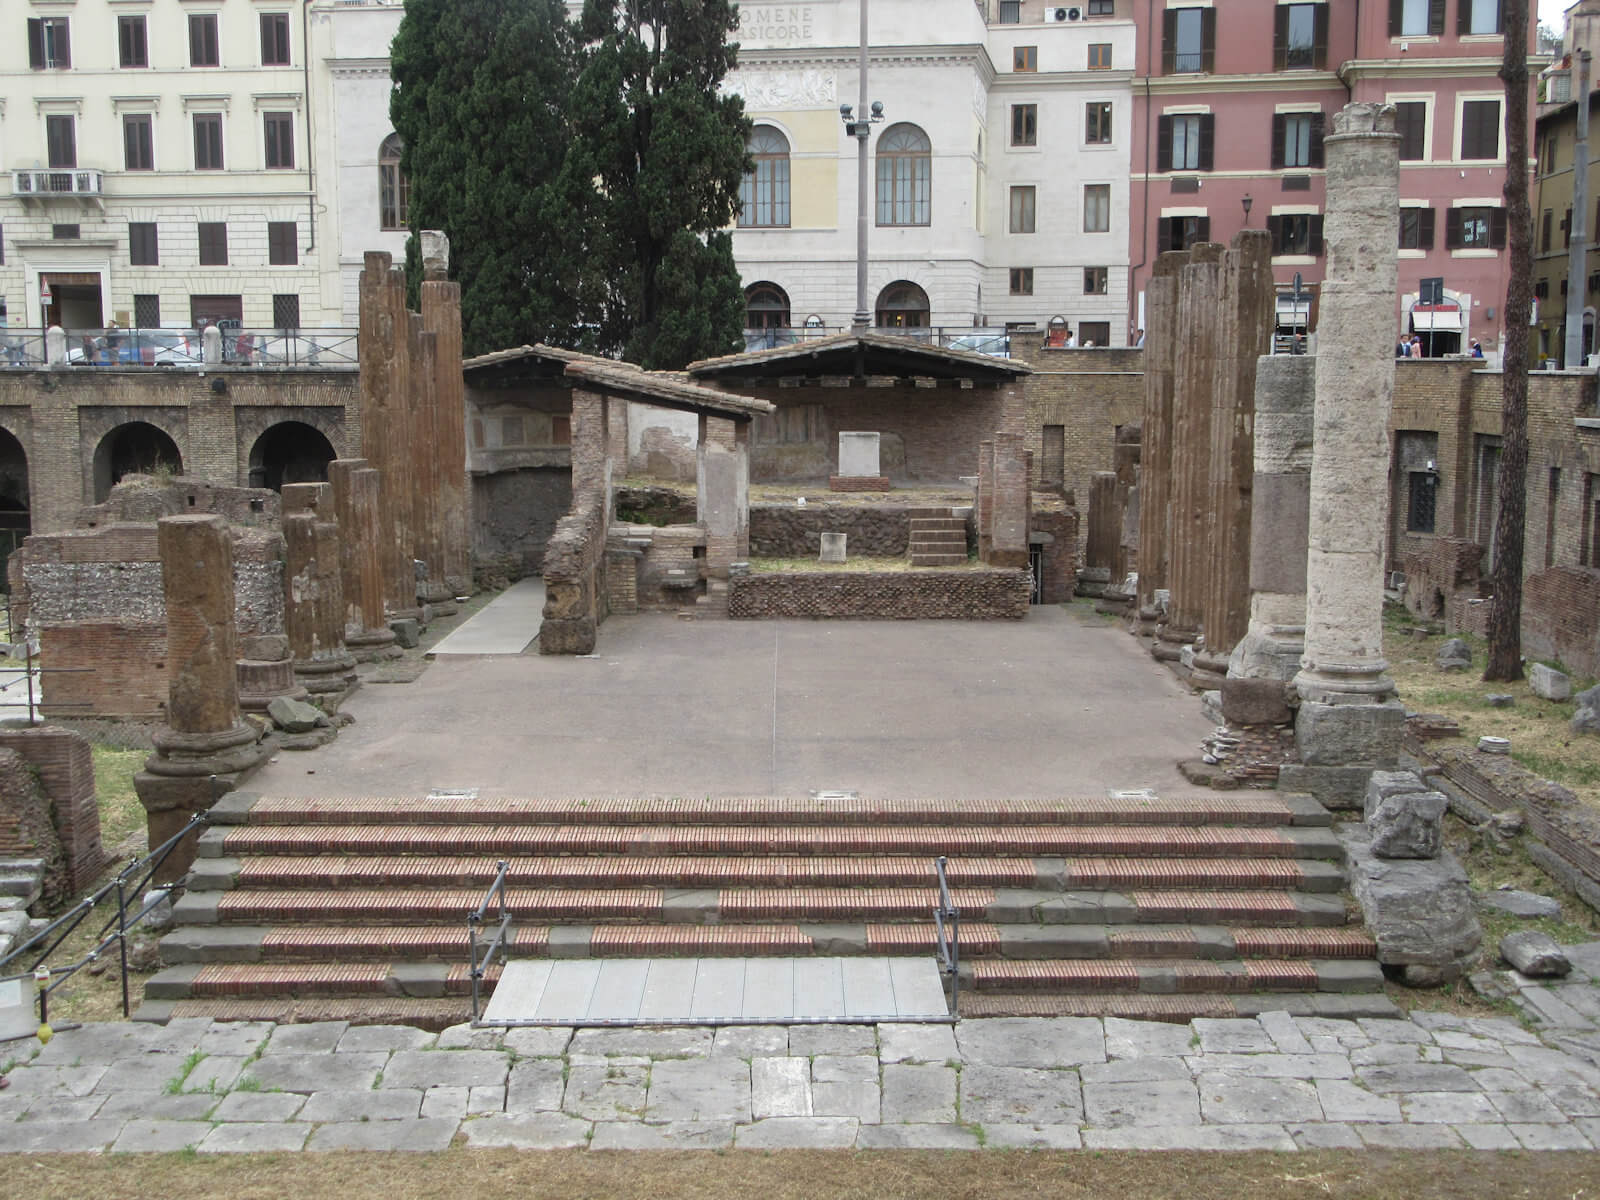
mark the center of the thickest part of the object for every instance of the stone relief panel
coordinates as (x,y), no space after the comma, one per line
(768,90)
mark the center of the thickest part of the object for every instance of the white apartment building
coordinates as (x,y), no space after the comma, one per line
(156,165)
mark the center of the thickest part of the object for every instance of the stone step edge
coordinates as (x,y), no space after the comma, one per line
(980,942)
(1275,808)
(1071,976)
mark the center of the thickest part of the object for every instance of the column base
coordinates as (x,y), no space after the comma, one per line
(327,676)
(187,774)
(1170,641)
(1349,735)
(261,682)
(372,645)
(1341,788)
(1208,671)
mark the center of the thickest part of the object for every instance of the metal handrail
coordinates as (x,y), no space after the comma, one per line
(496,944)
(133,878)
(947,926)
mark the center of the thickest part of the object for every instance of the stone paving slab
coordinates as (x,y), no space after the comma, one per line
(159,1137)
(417,1134)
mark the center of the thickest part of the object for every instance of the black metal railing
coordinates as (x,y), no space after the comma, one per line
(133,880)
(479,962)
(947,925)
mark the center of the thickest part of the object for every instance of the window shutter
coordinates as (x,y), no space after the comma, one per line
(1163,235)
(1164,143)
(1278,122)
(1497,228)
(1319,127)
(1203,229)
(1463,17)
(63,44)
(1208,137)
(1425,229)
(1275,228)
(36,43)
(1208,39)
(1436,17)
(1319,44)
(1280,38)
(1169,40)
(1452,229)
(1316,235)
(1396,17)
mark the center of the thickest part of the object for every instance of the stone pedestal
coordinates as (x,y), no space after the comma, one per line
(204,748)
(859,469)
(314,608)
(833,547)
(355,501)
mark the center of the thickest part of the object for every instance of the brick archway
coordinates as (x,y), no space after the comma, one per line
(133,448)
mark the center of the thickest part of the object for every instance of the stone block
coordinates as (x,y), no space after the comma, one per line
(1007,1094)
(1521,904)
(295,716)
(1383,784)
(919,1094)
(1419,910)
(1338,788)
(1342,735)
(1408,825)
(417,1135)
(1536,955)
(407,632)
(1255,702)
(833,547)
(1455,655)
(858,453)
(540,1131)
(799,1133)
(1547,683)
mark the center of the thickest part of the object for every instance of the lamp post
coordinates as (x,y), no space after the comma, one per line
(861,130)
(1247,202)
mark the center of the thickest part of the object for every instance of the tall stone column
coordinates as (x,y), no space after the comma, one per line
(1105,527)
(386,345)
(441,316)
(1190,528)
(204,747)
(425,507)
(722,494)
(314,592)
(1155,470)
(355,503)
(1349,721)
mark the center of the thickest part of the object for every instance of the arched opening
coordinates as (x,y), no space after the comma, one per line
(902,305)
(394,189)
(290,452)
(137,448)
(15,523)
(764,193)
(766,317)
(905,176)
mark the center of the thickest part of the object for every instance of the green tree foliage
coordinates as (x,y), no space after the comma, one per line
(654,171)
(480,99)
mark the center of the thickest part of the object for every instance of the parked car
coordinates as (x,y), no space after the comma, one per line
(996,344)
(135,347)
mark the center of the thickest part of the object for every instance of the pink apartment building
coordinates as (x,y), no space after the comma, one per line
(1231,102)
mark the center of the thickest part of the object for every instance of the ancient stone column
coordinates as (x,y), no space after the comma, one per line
(425,509)
(722,494)
(1155,467)
(1349,721)
(1245,316)
(1100,548)
(386,345)
(441,316)
(314,592)
(1190,528)
(355,501)
(204,747)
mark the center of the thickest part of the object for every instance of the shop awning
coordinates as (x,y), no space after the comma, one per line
(1436,320)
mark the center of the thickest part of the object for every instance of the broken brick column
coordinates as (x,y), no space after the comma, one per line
(204,748)
(1155,465)
(1100,548)
(314,593)
(386,346)
(441,316)
(1009,501)
(355,504)
(722,494)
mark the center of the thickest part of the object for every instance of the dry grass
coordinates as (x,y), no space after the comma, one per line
(816,1175)
(1538,729)
(775,566)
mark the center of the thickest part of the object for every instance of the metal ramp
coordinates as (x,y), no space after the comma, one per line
(717,991)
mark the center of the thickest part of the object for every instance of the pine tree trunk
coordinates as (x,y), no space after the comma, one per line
(1505,610)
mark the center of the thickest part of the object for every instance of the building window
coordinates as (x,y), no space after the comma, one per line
(278,128)
(283,244)
(1180,233)
(1478,16)
(203,41)
(905,176)
(275,40)
(1024,124)
(1475,229)
(1097,208)
(1096,281)
(394,189)
(1024,58)
(286,311)
(49,43)
(1422,502)
(213,243)
(66,233)
(1480,129)
(1102,8)
(1022,209)
(764,194)
(1416,18)
(1300,37)
(208,141)
(1021,281)
(1416,229)
(766,306)
(1411,123)
(1011,12)
(1188,40)
(1295,233)
(1185,141)
(143,250)
(138,142)
(212,310)
(902,305)
(1097,123)
(1541,289)
(61,140)
(1297,139)
(1099,56)
(146,311)
(132,49)
(1094,333)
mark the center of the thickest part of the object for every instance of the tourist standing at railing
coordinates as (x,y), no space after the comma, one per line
(12,346)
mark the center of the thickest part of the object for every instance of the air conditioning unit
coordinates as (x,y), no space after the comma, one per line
(1063,14)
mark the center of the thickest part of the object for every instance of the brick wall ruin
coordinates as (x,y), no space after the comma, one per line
(48,808)
(965,595)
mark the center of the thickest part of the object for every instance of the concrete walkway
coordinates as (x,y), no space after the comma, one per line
(1272,1083)
(508,624)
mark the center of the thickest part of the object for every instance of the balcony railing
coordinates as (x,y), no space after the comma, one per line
(58,181)
(950,337)
(334,347)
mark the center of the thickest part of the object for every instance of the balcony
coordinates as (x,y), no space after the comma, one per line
(38,185)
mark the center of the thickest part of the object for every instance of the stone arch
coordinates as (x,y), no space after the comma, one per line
(133,448)
(15,520)
(290,452)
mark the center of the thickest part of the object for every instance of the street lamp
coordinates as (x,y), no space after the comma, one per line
(1247,202)
(861,130)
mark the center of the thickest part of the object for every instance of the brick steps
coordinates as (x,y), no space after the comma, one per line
(937,541)
(1163,976)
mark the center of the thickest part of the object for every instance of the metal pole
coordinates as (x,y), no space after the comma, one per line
(1578,230)
(863,130)
(122,942)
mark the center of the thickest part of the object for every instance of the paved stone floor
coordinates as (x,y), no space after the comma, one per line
(1275,1082)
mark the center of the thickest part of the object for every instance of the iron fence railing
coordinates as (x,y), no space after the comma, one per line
(947,926)
(21,347)
(334,346)
(993,341)
(496,945)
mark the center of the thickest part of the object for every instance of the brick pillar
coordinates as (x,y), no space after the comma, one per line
(1100,546)
(204,738)
(385,423)
(64,764)
(441,316)
(1156,465)
(355,500)
(1009,500)
(722,495)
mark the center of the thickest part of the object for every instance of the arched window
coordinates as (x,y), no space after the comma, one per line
(902,305)
(905,176)
(766,306)
(764,194)
(394,190)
